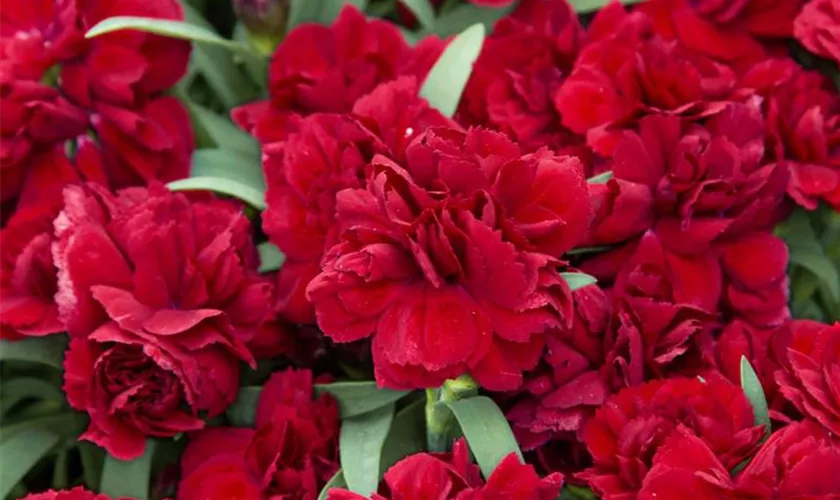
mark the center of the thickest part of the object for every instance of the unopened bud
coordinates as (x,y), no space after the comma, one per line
(265,21)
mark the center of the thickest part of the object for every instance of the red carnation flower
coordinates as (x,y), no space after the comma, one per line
(663,314)
(291,454)
(77,493)
(619,78)
(108,87)
(171,286)
(566,388)
(810,376)
(763,348)
(27,275)
(817,27)
(756,280)
(626,434)
(729,31)
(324,154)
(438,259)
(446,476)
(799,461)
(705,184)
(803,128)
(521,66)
(326,69)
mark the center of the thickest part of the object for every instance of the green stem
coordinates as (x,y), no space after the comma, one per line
(440,422)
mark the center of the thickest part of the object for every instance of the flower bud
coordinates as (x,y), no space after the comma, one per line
(265,21)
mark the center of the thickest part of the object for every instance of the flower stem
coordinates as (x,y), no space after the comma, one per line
(440,422)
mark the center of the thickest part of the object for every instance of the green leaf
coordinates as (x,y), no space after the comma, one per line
(329,10)
(227,164)
(128,478)
(584,6)
(65,425)
(360,448)
(354,398)
(572,492)
(19,388)
(487,431)
(406,437)
(168,28)
(578,280)
(47,350)
(601,178)
(755,394)
(248,194)
(357,398)
(464,16)
(806,252)
(818,264)
(337,481)
(224,133)
(217,66)
(423,11)
(271,258)
(586,250)
(21,452)
(93,457)
(448,77)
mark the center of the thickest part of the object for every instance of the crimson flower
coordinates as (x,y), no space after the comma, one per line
(447,261)
(291,453)
(77,493)
(627,433)
(161,295)
(446,476)
(817,27)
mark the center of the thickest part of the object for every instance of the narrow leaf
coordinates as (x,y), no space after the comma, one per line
(601,178)
(356,398)
(407,435)
(128,478)
(227,164)
(755,394)
(47,350)
(578,280)
(330,9)
(19,388)
(464,16)
(248,194)
(224,133)
(271,258)
(487,431)
(360,448)
(337,481)
(423,11)
(448,77)
(165,27)
(20,453)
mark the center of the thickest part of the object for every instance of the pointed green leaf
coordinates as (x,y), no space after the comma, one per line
(578,280)
(224,133)
(423,11)
(47,350)
(465,15)
(21,452)
(271,258)
(337,481)
(360,448)
(407,435)
(601,178)
(248,194)
(755,394)
(227,164)
(584,6)
(487,431)
(128,478)
(448,77)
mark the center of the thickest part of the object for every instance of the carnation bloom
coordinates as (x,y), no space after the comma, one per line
(810,375)
(629,74)
(730,30)
(803,128)
(149,279)
(521,65)
(27,275)
(291,453)
(108,88)
(448,261)
(446,476)
(77,493)
(322,155)
(627,432)
(694,185)
(800,460)
(817,27)
(760,345)
(326,69)
(566,388)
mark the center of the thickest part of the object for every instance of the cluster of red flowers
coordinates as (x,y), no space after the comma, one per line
(441,245)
